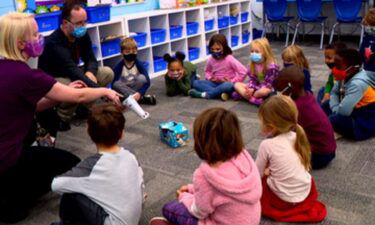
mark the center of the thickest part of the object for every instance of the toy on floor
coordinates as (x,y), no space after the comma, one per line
(173,133)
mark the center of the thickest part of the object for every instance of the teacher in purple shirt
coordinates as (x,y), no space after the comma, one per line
(26,172)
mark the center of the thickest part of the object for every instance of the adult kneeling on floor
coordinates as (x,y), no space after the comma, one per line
(64,49)
(26,172)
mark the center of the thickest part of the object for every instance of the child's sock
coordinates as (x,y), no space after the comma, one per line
(236,96)
(197,94)
(256,101)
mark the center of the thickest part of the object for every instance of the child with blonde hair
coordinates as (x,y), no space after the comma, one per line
(263,71)
(293,55)
(283,160)
(226,187)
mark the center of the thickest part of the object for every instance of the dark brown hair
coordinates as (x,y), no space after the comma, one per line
(106,124)
(221,40)
(217,135)
(69,6)
(351,56)
(369,18)
(179,57)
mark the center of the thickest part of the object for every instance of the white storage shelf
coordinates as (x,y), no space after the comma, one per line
(163,19)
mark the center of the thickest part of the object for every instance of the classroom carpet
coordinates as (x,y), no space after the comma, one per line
(346,186)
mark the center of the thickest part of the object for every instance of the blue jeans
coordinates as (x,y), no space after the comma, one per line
(213,89)
(320,95)
(176,213)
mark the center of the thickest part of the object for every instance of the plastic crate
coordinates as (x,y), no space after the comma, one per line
(140,38)
(244,17)
(233,20)
(257,34)
(245,37)
(48,21)
(145,65)
(193,54)
(98,13)
(175,31)
(159,64)
(111,47)
(223,22)
(209,24)
(157,35)
(234,40)
(207,51)
(192,28)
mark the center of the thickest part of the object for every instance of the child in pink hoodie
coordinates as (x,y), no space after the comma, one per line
(226,186)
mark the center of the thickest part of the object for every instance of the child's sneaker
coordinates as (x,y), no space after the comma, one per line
(256,101)
(159,221)
(224,96)
(148,100)
(236,96)
(195,94)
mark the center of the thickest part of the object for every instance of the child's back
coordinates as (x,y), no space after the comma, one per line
(111,180)
(288,179)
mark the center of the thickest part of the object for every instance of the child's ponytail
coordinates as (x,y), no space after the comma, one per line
(302,147)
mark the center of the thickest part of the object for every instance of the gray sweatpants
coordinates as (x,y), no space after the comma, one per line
(130,84)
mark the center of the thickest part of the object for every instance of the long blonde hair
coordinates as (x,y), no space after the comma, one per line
(14,27)
(294,54)
(280,114)
(267,54)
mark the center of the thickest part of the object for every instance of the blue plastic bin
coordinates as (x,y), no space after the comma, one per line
(98,14)
(175,31)
(209,25)
(233,20)
(244,17)
(245,37)
(234,40)
(140,38)
(157,35)
(257,34)
(145,65)
(159,64)
(207,51)
(193,54)
(48,21)
(110,47)
(192,28)
(223,22)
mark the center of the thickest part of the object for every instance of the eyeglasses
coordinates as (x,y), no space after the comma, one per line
(78,24)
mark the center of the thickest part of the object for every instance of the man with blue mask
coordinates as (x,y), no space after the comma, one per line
(68,56)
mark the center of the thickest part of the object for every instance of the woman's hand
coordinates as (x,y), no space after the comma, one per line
(249,92)
(181,190)
(77,84)
(326,97)
(113,96)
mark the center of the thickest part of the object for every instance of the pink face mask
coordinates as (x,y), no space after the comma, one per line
(34,48)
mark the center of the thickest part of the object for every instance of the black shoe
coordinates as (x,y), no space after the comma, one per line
(63,126)
(148,100)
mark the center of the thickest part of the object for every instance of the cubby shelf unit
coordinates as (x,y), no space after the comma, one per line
(188,33)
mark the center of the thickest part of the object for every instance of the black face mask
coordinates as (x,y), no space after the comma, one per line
(330,65)
(130,57)
(287,65)
(216,55)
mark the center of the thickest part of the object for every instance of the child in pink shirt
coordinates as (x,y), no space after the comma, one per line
(226,187)
(222,71)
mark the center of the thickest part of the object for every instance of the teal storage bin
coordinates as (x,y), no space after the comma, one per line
(245,37)
(159,64)
(223,22)
(244,17)
(157,35)
(234,40)
(193,54)
(48,21)
(192,28)
(140,38)
(209,25)
(98,14)
(233,20)
(175,31)
(111,47)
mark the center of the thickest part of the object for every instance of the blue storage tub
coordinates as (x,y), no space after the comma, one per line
(209,24)
(175,31)
(140,38)
(159,64)
(48,21)
(98,14)
(257,34)
(207,51)
(157,35)
(244,17)
(245,37)
(145,65)
(193,54)
(234,40)
(111,47)
(192,28)
(233,20)
(223,22)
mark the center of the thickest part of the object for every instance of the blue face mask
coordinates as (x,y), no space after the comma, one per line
(79,32)
(256,57)
(216,55)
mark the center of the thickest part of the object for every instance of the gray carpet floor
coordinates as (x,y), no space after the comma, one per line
(347,186)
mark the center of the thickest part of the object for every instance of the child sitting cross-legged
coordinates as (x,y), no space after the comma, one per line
(311,117)
(106,188)
(283,160)
(226,187)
